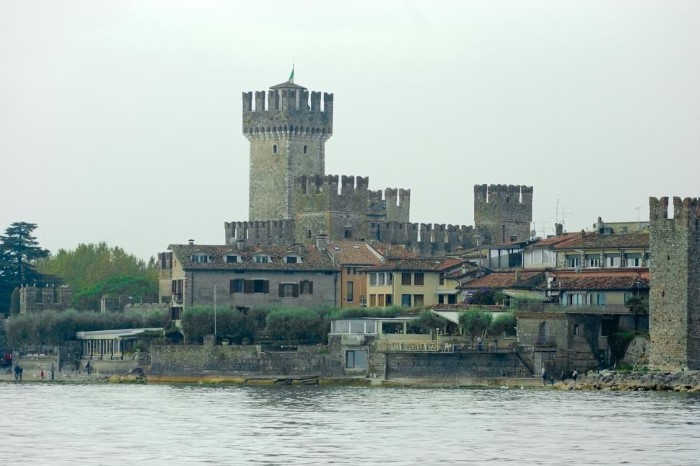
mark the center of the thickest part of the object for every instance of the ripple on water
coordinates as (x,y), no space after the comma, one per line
(108,424)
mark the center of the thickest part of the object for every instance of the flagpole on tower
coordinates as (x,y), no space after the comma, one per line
(291,75)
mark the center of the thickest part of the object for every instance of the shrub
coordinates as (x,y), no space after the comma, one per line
(55,328)
(503,323)
(296,325)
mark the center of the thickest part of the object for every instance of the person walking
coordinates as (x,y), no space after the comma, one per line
(574,375)
(53,370)
(544,376)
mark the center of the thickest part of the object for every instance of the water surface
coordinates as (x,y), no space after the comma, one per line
(161,424)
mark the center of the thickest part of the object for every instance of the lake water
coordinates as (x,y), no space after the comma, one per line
(161,424)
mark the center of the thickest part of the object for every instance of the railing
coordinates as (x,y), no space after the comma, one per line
(417,348)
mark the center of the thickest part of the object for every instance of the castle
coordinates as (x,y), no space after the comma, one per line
(674,298)
(292,199)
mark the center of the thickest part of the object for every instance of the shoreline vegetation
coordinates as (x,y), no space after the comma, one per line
(686,381)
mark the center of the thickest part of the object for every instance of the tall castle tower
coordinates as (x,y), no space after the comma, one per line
(674,297)
(503,212)
(287,137)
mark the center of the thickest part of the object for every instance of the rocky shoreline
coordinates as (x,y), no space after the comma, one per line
(684,381)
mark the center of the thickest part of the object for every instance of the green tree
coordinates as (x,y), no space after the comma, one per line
(426,323)
(474,323)
(96,269)
(19,252)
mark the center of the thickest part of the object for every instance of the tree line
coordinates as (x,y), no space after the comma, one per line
(91,270)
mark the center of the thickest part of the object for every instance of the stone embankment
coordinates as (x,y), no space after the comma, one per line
(686,381)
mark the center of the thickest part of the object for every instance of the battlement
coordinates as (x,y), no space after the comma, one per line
(686,212)
(288,112)
(425,238)
(503,212)
(349,185)
(503,194)
(270,232)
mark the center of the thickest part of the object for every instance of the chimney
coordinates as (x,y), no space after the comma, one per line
(190,241)
(558,229)
(321,241)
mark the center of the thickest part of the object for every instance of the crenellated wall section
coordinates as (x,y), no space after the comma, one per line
(503,211)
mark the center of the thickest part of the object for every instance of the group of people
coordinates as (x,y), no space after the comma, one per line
(19,371)
(564,376)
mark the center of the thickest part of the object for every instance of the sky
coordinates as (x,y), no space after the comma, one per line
(121,121)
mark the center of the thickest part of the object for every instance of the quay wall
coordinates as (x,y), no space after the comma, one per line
(454,365)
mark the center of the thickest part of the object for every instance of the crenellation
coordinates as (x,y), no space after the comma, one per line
(503,211)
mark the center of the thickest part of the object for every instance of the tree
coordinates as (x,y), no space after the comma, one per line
(475,323)
(92,270)
(19,252)
(503,323)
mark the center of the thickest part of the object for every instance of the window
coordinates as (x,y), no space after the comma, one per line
(441,299)
(442,279)
(405,278)
(612,260)
(600,299)
(381,279)
(356,359)
(274,148)
(292,260)
(593,261)
(573,261)
(363,300)
(256,286)
(451,299)
(406,300)
(306,287)
(348,233)
(305,148)
(349,297)
(288,290)
(373,300)
(389,278)
(373,279)
(236,286)
(262,259)
(200,259)
(388,300)
(231,259)
(578,331)
(380,300)
(418,278)
(417,300)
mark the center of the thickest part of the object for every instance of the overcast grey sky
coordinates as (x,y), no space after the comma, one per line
(120,121)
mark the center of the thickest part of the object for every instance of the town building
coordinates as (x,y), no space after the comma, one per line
(242,278)
(412,282)
(352,257)
(40,298)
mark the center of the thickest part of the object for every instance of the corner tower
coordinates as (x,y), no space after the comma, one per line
(287,133)
(674,297)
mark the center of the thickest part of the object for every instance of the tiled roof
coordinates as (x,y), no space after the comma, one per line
(429,265)
(554,240)
(394,251)
(507,279)
(585,240)
(353,253)
(604,279)
(312,258)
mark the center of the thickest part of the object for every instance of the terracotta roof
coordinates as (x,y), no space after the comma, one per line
(394,251)
(429,265)
(553,240)
(353,253)
(507,279)
(603,279)
(311,258)
(586,240)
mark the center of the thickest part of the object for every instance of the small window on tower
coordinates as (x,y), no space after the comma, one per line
(274,148)
(305,148)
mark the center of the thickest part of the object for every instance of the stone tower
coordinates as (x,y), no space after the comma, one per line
(503,212)
(287,135)
(674,297)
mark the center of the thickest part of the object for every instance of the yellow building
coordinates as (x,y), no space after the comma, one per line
(412,283)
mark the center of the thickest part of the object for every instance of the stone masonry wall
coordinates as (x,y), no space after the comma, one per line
(504,211)
(244,360)
(454,365)
(674,300)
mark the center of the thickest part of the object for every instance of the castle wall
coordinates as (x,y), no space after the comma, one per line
(674,297)
(287,139)
(504,212)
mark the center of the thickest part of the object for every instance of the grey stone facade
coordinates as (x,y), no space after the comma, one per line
(35,299)
(504,212)
(674,298)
